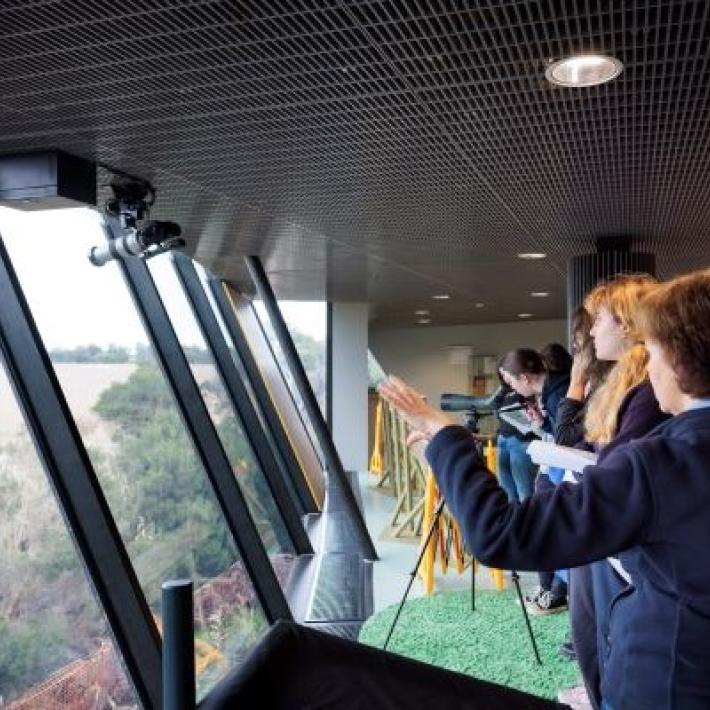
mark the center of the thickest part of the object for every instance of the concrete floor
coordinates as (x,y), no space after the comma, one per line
(399,555)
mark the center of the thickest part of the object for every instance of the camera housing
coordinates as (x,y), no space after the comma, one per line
(128,235)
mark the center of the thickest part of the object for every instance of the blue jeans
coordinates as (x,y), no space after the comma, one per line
(516,472)
(555,581)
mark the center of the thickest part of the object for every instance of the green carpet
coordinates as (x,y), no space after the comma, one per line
(490,643)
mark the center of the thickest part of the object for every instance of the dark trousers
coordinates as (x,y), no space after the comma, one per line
(296,668)
(583,621)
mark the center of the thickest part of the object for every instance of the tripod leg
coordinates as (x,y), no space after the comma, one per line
(516,580)
(413,573)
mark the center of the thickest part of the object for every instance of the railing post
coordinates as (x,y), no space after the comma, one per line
(178,646)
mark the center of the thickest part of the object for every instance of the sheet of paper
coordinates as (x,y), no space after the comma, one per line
(545,453)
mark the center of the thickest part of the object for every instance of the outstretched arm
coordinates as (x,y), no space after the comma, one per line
(566,527)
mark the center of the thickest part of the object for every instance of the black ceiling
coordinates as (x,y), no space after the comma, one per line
(382,151)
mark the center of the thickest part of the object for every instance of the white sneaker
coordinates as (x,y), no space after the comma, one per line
(576,698)
(532,596)
(547,603)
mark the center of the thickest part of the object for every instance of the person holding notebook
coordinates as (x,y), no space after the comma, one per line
(646,503)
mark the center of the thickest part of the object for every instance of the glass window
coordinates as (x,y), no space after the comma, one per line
(307,322)
(204,280)
(153,480)
(252,481)
(55,644)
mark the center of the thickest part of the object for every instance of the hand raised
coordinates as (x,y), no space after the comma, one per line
(424,420)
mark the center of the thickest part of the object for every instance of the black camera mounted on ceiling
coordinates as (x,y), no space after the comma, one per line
(128,231)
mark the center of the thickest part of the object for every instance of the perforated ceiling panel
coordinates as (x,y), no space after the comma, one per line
(382,151)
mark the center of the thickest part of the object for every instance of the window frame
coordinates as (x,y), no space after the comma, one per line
(332,461)
(79,495)
(240,401)
(202,432)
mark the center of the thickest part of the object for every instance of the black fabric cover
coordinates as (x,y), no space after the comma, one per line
(296,668)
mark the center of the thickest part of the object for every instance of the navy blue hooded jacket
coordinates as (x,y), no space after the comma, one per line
(648,504)
(554,389)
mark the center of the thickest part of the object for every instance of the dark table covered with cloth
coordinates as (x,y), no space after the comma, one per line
(296,668)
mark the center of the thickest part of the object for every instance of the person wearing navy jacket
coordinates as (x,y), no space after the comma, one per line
(530,375)
(622,407)
(648,503)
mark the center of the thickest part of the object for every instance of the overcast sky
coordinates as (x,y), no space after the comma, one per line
(76,303)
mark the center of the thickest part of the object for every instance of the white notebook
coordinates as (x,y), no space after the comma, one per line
(545,453)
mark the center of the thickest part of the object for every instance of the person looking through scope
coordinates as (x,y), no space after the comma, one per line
(646,503)
(516,472)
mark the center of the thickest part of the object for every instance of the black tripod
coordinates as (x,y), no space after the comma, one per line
(471,423)
(413,573)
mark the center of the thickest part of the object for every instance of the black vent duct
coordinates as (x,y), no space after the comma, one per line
(613,257)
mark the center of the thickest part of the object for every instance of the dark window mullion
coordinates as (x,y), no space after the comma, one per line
(241,402)
(333,463)
(77,488)
(262,395)
(204,436)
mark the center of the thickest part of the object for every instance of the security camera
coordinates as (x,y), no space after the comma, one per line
(151,239)
(129,235)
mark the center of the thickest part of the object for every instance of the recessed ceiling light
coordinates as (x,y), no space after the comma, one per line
(479,305)
(441,296)
(532,255)
(525,315)
(539,294)
(421,313)
(424,321)
(583,70)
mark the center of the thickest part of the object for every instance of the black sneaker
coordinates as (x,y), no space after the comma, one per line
(547,603)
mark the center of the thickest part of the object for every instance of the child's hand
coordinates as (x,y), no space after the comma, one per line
(534,415)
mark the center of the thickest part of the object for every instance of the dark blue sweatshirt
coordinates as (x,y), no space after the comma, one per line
(554,389)
(648,504)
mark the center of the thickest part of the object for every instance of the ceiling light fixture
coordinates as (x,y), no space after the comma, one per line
(583,70)
(539,294)
(479,305)
(421,313)
(424,321)
(525,315)
(532,255)
(441,297)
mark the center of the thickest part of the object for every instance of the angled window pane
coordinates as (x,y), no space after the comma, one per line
(307,325)
(249,475)
(154,483)
(55,645)
(204,279)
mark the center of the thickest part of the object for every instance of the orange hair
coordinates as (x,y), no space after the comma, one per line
(622,297)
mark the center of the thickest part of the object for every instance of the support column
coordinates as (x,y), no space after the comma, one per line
(349,378)
(613,257)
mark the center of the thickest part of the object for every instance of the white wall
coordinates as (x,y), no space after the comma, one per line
(420,355)
(349,369)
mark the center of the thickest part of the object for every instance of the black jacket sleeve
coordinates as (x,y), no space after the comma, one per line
(609,511)
(570,422)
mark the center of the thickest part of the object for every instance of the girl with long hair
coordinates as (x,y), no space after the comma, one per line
(645,501)
(526,372)
(621,407)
